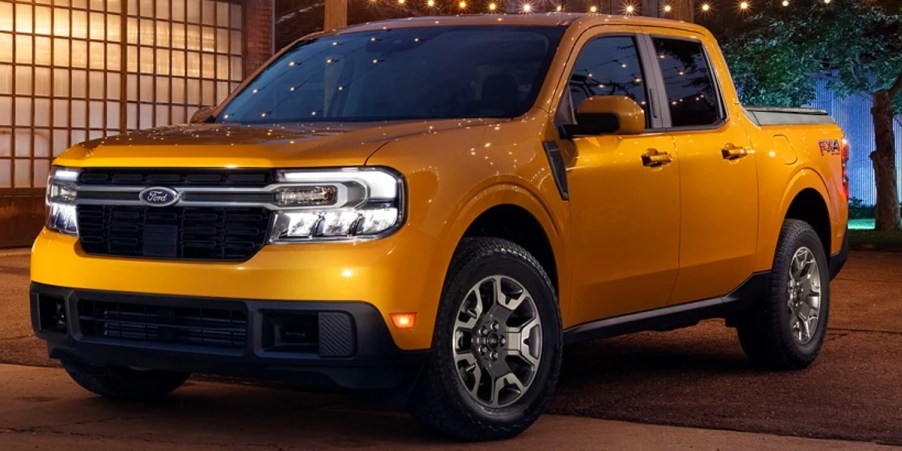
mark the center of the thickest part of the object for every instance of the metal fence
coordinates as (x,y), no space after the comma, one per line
(853,114)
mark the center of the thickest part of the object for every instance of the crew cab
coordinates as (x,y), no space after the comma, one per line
(434,207)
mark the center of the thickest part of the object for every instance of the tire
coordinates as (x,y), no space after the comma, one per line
(449,397)
(768,335)
(125,383)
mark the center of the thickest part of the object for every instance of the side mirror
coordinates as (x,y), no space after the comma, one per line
(203,114)
(599,115)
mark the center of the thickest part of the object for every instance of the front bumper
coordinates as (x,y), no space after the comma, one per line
(343,345)
(399,274)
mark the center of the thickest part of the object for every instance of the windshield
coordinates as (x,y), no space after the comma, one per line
(401,74)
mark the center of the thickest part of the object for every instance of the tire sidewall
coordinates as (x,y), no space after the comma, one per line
(804,238)
(536,282)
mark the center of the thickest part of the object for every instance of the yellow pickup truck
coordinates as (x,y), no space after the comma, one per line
(433,207)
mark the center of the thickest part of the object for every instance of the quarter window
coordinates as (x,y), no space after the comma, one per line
(609,66)
(690,88)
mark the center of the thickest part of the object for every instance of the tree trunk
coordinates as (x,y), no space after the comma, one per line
(884,161)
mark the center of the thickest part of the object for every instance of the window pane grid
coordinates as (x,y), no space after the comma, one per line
(73,71)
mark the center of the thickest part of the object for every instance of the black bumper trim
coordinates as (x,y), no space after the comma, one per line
(838,260)
(372,360)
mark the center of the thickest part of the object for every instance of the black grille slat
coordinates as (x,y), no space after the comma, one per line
(223,328)
(193,177)
(205,233)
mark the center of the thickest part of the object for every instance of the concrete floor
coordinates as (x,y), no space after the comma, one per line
(43,409)
(694,378)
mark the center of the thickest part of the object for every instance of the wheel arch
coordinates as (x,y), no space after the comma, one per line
(805,198)
(515,223)
(809,205)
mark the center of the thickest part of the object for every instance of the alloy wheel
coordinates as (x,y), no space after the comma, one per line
(804,295)
(497,341)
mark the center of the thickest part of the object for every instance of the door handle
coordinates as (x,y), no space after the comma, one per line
(654,158)
(731,152)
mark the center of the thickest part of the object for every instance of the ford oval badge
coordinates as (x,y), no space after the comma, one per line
(159,196)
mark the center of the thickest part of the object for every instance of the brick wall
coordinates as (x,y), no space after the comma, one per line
(258,33)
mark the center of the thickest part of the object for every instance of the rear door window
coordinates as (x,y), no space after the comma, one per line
(688,82)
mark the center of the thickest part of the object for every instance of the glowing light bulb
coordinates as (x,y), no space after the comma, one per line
(630,9)
(401,2)
(667,8)
(559,8)
(527,7)
(430,3)
(785,3)
(826,2)
(462,5)
(706,7)
(593,9)
(743,5)
(492,6)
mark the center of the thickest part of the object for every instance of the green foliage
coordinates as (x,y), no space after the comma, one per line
(859,210)
(779,50)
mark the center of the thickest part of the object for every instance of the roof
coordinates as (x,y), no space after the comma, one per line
(545,19)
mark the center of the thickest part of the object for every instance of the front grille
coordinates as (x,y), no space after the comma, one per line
(188,177)
(210,327)
(222,233)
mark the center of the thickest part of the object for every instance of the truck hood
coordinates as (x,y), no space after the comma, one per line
(219,145)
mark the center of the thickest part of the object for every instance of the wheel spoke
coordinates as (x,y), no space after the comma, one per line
(522,344)
(469,314)
(509,381)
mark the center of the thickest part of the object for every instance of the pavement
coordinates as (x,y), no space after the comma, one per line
(43,409)
(687,389)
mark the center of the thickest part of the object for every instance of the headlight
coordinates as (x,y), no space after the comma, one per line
(60,200)
(335,205)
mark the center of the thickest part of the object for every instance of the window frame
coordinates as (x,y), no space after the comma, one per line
(655,123)
(662,87)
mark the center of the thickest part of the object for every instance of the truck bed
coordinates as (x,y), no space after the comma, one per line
(768,115)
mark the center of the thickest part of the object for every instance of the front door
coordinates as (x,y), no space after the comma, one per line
(625,207)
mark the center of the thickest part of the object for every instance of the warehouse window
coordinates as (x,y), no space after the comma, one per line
(79,69)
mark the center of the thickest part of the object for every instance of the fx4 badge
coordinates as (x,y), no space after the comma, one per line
(829,147)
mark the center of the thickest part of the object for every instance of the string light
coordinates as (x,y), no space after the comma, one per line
(462,5)
(630,10)
(430,3)
(785,2)
(593,9)
(401,2)
(559,8)
(492,6)
(667,8)
(826,2)
(527,8)
(744,5)
(706,7)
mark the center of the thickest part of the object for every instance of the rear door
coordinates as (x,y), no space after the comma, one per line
(718,179)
